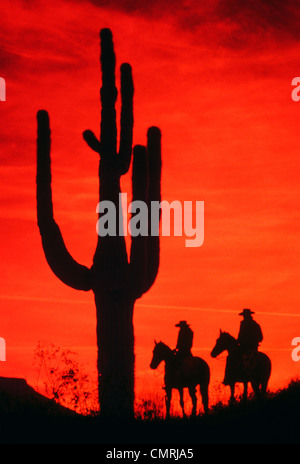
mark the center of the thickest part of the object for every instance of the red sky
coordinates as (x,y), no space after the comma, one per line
(217,81)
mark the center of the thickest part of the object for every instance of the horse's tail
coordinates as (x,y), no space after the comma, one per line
(204,380)
(265,368)
(203,370)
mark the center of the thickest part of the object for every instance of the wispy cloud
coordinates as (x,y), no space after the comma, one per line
(81,302)
(231,23)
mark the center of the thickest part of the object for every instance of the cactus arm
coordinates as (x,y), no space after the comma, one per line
(146,186)
(59,259)
(126,125)
(92,141)
(108,94)
(107,144)
(154,194)
(138,247)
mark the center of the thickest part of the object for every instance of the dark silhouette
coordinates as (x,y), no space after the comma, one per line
(250,333)
(240,368)
(16,396)
(115,280)
(184,340)
(190,373)
(28,418)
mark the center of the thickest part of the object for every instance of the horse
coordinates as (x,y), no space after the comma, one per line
(253,367)
(179,374)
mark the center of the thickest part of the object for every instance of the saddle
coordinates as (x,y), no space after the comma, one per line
(182,364)
(240,366)
(249,360)
(181,357)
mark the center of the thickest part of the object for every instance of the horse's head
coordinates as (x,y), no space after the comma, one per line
(160,353)
(224,342)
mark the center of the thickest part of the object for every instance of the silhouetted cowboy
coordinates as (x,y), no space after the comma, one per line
(249,338)
(250,334)
(184,340)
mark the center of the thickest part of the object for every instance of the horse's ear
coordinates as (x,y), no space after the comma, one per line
(221,332)
(155,342)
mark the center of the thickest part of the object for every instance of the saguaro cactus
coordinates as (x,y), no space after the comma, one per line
(116,279)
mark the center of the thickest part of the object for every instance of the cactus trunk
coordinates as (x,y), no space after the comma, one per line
(115,339)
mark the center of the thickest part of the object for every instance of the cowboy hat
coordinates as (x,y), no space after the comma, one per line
(181,324)
(246,312)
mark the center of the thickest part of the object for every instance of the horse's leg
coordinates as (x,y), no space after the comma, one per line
(256,388)
(245,394)
(204,395)
(181,400)
(264,378)
(168,401)
(232,398)
(264,386)
(192,392)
